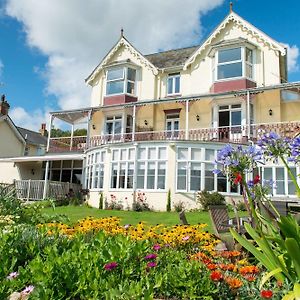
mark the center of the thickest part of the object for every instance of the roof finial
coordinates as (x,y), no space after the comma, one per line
(230,7)
(122,32)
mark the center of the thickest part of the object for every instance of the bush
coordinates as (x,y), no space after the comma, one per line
(113,204)
(179,206)
(169,201)
(101,201)
(140,204)
(205,199)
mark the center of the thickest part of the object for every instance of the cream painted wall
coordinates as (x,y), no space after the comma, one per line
(10,144)
(9,172)
(290,111)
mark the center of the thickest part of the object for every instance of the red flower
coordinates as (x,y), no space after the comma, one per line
(216,276)
(238,178)
(110,266)
(256,179)
(211,266)
(266,294)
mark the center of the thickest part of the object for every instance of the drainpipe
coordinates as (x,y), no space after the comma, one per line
(187,120)
(248,116)
(135,172)
(72,134)
(133,123)
(88,132)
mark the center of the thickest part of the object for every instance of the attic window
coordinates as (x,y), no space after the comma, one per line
(120,81)
(234,63)
(174,84)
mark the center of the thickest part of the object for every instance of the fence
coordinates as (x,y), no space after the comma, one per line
(34,189)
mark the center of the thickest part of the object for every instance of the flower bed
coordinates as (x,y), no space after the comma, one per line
(100,259)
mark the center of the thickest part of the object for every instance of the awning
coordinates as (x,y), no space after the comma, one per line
(50,157)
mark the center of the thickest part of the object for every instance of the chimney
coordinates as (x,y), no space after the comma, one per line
(4,106)
(43,131)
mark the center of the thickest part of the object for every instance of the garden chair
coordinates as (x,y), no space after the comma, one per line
(281,207)
(219,216)
(182,218)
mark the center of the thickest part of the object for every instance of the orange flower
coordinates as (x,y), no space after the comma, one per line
(234,283)
(249,270)
(229,254)
(216,276)
(227,267)
(249,277)
(211,266)
(266,294)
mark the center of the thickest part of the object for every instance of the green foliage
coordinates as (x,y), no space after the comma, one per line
(101,201)
(205,199)
(56,132)
(169,201)
(179,206)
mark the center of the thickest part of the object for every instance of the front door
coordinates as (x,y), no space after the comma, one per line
(172,126)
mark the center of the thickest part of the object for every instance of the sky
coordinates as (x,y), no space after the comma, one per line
(48,47)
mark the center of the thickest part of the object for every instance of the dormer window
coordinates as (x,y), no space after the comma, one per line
(120,81)
(234,63)
(174,84)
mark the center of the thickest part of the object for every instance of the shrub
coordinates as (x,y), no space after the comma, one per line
(205,199)
(113,204)
(101,201)
(140,204)
(169,201)
(179,206)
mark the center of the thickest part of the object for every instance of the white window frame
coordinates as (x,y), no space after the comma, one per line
(146,161)
(216,64)
(125,80)
(173,78)
(115,118)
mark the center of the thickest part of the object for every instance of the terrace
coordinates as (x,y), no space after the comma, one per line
(233,134)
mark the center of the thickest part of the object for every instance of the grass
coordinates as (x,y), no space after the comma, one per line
(75,213)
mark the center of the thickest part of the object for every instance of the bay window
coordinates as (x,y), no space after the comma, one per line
(120,81)
(94,170)
(234,63)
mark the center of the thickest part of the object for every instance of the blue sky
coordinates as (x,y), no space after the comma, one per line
(48,47)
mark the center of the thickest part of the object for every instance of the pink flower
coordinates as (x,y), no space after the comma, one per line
(12,275)
(186,238)
(110,266)
(28,290)
(156,247)
(151,256)
(151,264)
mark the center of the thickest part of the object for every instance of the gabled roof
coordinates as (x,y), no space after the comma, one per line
(33,137)
(121,42)
(13,127)
(233,17)
(171,58)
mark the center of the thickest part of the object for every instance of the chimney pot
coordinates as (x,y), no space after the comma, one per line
(4,106)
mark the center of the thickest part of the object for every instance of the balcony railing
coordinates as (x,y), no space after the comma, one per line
(232,134)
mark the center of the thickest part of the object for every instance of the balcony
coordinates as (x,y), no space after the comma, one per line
(233,134)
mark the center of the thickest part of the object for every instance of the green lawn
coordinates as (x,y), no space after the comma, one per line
(75,213)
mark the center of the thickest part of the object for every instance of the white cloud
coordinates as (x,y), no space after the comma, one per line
(32,120)
(76,34)
(1,68)
(292,56)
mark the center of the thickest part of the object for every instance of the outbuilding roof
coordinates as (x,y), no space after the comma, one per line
(33,137)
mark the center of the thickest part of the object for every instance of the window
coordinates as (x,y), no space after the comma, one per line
(195,171)
(113,125)
(234,62)
(122,168)
(120,81)
(173,84)
(151,168)
(94,170)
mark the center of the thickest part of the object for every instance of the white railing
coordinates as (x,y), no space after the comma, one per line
(33,189)
(232,134)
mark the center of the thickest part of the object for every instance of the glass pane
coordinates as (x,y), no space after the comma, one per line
(181,176)
(131,74)
(151,176)
(249,71)
(183,153)
(176,125)
(114,74)
(177,84)
(228,55)
(118,127)
(114,173)
(268,174)
(131,154)
(195,180)
(140,175)
(196,154)
(209,154)
(142,153)
(115,155)
(152,153)
(209,177)
(130,87)
(130,175)
(230,70)
(114,87)
(170,85)
(169,125)
(279,173)
(279,187)
(236,118)
(222,183)
(162,153)
(161,178)
(123,154)
(249,55)
(122,175)
(291,185)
